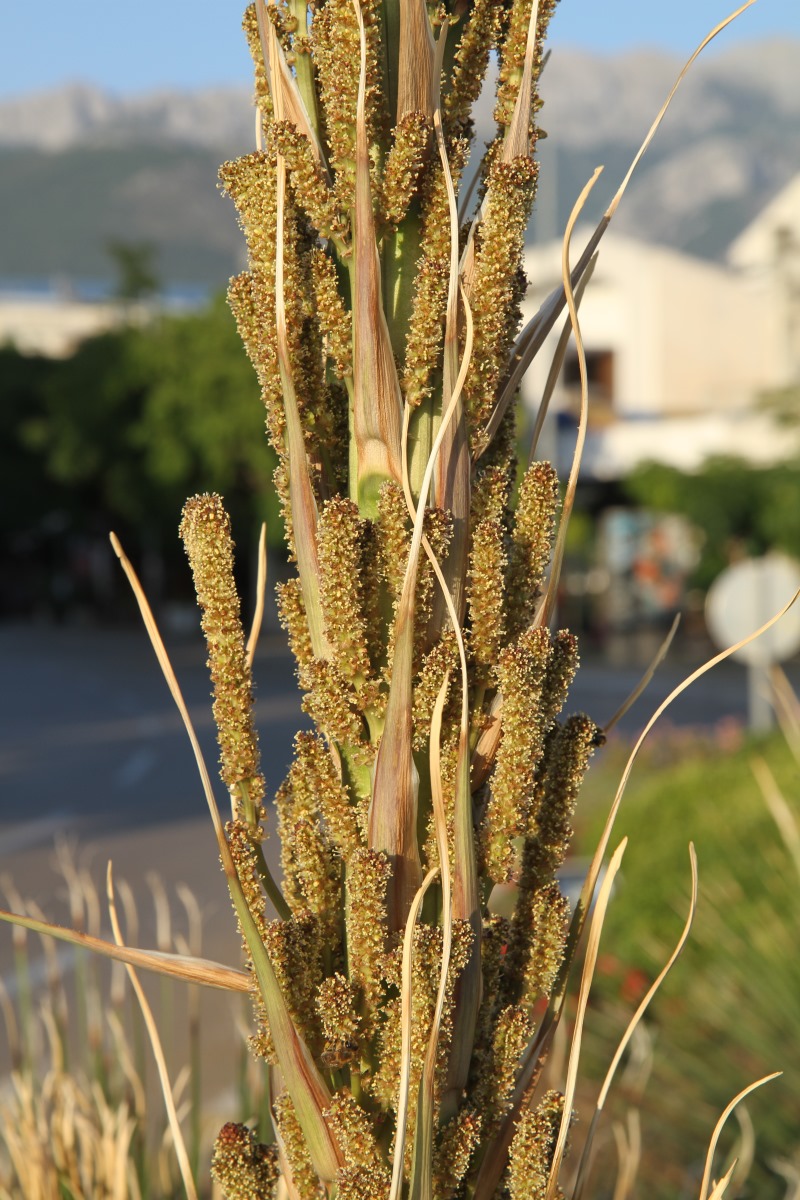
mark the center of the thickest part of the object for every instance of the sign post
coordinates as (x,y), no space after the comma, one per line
(740,600)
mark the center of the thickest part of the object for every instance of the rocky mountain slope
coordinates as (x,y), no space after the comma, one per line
(79,167)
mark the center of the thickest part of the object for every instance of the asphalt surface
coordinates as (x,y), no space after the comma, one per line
(90,739)
(93,750)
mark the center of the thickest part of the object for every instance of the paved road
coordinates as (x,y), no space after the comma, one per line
(90,739)
(89,732)
(90,745)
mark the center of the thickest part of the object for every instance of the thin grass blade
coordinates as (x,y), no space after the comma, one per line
(631,1029)
(261,593)
(421,1187)
(190,970)
(643,683)
(548,604)
(593,945)
(706,1183)
(178,1142)
(306,1086)
(396,1188)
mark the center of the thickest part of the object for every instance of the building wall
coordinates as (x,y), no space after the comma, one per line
(52,327)
(687,336)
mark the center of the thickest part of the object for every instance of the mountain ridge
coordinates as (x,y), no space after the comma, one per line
(80,167)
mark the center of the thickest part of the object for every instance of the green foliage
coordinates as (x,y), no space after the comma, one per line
(137,277)
(22,383)
(738,508)
(728,1012)
(138,417)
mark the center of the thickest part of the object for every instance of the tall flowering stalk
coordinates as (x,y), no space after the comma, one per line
(384,328)
(403,1016)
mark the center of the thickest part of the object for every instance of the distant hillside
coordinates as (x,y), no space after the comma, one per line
(58,212)
(81,115)
(729,142)
(79,167)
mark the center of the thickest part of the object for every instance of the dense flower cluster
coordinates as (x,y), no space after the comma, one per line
(383,330)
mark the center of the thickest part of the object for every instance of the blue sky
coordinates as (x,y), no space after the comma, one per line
(186,43)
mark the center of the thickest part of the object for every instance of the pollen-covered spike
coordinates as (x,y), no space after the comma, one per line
(374,604)
(368,875)
(288,813)
(495,1085)
(304,1177)
(521,672)
(371,1182)
(340,538)
(243,1167)
(295,950)
(494,940)
(251,183)
(297,801)
(334,319)
(531,541)
(494,288)
(337,53)
(309,182)
(404,164)
(471,60)
(341,1025)
(424,983)
(569,749)
(317,784)
(354,1133)
(490,492)
(457,1142)
(561,667)
(206,532)
(425,335)
(394,536)
(319,876)
(240,842)
(250,27)
(485,593)
(536,943)
(292,615)
(333,705)
(442,657)
(532,1149)
(438,528)
(512,54)
(260,342)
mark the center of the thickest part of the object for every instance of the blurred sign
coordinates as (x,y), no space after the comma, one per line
(744,597)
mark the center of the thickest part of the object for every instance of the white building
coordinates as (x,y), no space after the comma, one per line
(50,324)
(678,349)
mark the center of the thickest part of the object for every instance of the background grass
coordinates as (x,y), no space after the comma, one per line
(728,1013)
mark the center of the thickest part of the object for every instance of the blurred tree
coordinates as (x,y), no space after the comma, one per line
(136,275)
(22,381)
(740,509)
(140,418)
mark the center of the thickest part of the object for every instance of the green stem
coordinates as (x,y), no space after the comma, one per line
(274,893)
